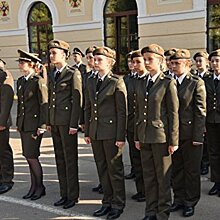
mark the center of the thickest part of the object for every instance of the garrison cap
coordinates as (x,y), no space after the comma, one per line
(3,61)
(28,57)
(170,52)
(153,48)
(136,53)
(105,51)
(90,49)
(215,53)
(60,44)
(181,54)
(78,51)
(201,54)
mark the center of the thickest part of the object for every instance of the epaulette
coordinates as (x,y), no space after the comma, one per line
(195,77)
(114,76)
(71,67)
(166,77)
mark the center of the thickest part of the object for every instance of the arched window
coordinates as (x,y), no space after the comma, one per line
(213,25)
(39,29)
(121,29)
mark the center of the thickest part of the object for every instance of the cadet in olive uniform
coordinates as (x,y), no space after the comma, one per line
(156,131)
(202,65)
(213,120)
(77,57)
(130,75)
(6,155)
(31,119)
(105,117)
(192,114)
(65,95)
(168,54)
(130,80)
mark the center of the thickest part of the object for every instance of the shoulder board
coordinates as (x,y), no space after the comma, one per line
(195,77)
(71,67)
(114,76)
(166,77)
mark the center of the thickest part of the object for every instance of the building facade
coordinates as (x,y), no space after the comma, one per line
(122,24)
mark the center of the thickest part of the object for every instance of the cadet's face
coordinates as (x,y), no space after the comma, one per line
(102,63)
(152,62)
(201,63)
(169,66)
(90,59)
(215,64)
(24,66)
(138,63)
(77,58)
(57,55)
(179,66)
(130,64)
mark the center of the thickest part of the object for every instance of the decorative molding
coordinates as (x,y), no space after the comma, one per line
(77,26)
(163,2)
(175,16)
(14,32)
(26,6)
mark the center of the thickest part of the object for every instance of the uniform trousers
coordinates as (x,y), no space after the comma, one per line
(205,155)
(156,163)
(186,173)
(6,158)
(111,173)
(213,138)
(66,155)
(137,166)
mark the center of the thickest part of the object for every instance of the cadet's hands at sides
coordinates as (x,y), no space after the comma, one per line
(2,128)
(120,144)
(137,145)
(172,149)
(87,140)
(72,131)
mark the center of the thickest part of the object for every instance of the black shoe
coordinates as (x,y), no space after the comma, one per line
(188,211)
(152,217)
(28,195)
(204,170)
(141,199)
(60,202)
(97,188)
(176,207)
(102,211)
(131,175)
(69,204)
(5,188)
(37,196)
(114,213)
(214,190)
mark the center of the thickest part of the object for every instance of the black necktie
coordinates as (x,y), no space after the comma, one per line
(150,84)
(216,82)
(57,75)
(98,84)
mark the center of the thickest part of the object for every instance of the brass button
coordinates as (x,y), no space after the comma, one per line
(190,122)
(145,120)
(53,106)
(66,108)
(96,118)
(95,104)
(53,99)
(145,106)
(35,116)
(145,100)
(214,107)
(110,121)
(145,113)
(95,111)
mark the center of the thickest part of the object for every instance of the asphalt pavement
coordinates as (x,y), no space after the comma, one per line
(13,207)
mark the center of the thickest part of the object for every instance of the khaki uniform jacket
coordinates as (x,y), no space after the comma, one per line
(65,97)
(213,100)
(6,101)
(105,111)
(192,111)
(156,113)
(32,103)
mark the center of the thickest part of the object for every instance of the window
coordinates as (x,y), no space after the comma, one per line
(40,30)
(213,25)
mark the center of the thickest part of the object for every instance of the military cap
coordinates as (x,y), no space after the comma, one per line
(181,54)
(105,51)
(136,53)
(215,53)
(60,44)
(153,48)
(78,51)
(28,57)
(128,55)
(3,61)
(90,49)
(201,54)
(170,52)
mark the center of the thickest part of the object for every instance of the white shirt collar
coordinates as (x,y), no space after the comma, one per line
(28,76)
(103,77)
(60,70)
(142,76)
(201,74)
(181,78)
(154,77)
(216,77)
